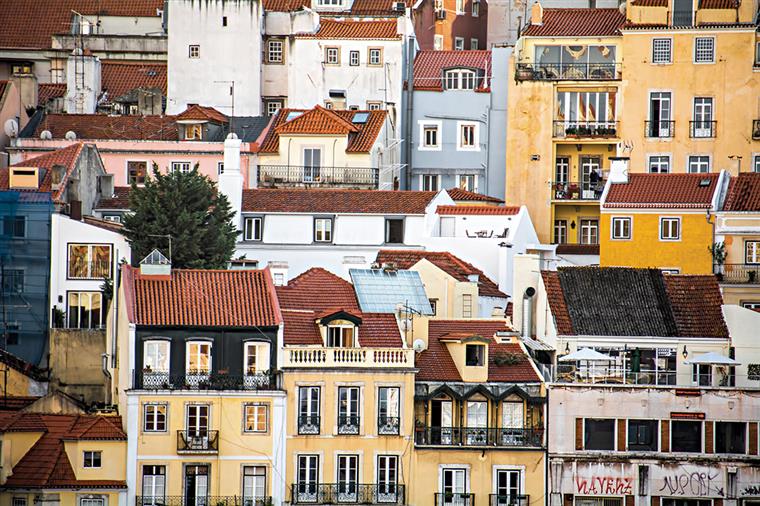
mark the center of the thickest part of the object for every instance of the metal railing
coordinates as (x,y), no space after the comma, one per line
(197,441)
(611,375)
(567,71)
(308,424)
(211,500)
(702,129)
(479,436)
(347,493)
(573,190)
(300,175)
(159,380)
(756,129)
(311,357)
(90,269)
(739,274)
(509,500)
(388,425)
(454,499)
(592,129)
(659,129)
(348,424)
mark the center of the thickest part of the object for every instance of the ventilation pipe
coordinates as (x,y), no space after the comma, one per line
(527,312)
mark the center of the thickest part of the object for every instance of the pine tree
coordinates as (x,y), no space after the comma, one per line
(187,207)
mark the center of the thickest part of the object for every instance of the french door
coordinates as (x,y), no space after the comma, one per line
(507,487)
(387,479)
(348,478)
(659,114)
(312,161)
(307,483)
(196,485)
(453,487)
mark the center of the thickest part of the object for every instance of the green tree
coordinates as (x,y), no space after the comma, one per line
(187,207)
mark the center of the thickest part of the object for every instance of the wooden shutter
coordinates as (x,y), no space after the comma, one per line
(656,498)
(709,427)
(621,435)
(630,500)
(752,438)
(578,434)
(664,437)
(718,501)
(567,499)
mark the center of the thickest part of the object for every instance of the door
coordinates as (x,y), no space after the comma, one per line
(196,485)
(590,176)
(198,362)
(387,479)
(507,488)
(453,486)
(388,410)
(477,423)
(659,114)
(308,478)
(254,485)
(441,422)
(348,478)
(512,423)
(703,113)
(312,161)
(308,410)
(196,427)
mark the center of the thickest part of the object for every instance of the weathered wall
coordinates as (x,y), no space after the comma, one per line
(76,363)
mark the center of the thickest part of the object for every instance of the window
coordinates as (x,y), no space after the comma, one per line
(272,106)
(659,164)
(756,163)
(308,410)
(642,435)
(252,228)
(194,51)
(254,485)
(330,3)
(621,228)
(348,410)
(274,51)
(475,355)
(730,437)
(250,355)
(448,226)
(92,459)
(312,164)
(752,252)
(374,106)
(599,434)
(153,484)
(353,58)
(431,182)
(659,124)
(323,229)
(468,182)
(477,417)
(375,56)
(224,20)
(460,6)
(89,261)
(702,126)
(387,478)
(341,336)
(699,164)
(459,79)
(85,310)
(307,478)
(220,167)
(14,226)
(198,360)
(661,49)
(279,278)
(512,415)
(459,41)
(466,305)
(430,136)
(434,302)
(136,172)
(704,50)
(388,410)
(194,132)
(255,417)
(332,56)
(114,218)
(589,232)
(507,487)
(13,281)
(474,42)
(670,229)
(468,136)
(475,14)
(183,167)
(560,231)
(92,501)
(685,436)
(348,477)
(154,418)
(156,356)
(394,230)
(701,374)
(438,42)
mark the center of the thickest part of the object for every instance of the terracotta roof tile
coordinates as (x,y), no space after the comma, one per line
(556,299)
(585,22)
(376,8)
(66,157)
(285,5)
(673,191)
(335,201)
(650,3)
(119,200)
(317,290)
(318,120)
(205,298)
(479,210)
(520,372)
(696,303)
(743,193)
(719,4)
(452,265)
(49,91)
(202,113)
(100,126)
(121,77)
(344,29)
(461,195)
(105,225)
(430,65)
(16,402)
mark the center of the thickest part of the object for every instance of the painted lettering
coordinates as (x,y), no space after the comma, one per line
(696,484)
(604,485)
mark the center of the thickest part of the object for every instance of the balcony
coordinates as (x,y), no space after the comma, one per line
(348,425)
(611,375)
(508,500)
(197,442)
(179,500)
(738,274)
(659,129)
(564,129)
(158,380)
(347,493)
(90,269)
(702,129)
(454,499)
(388,425)
(570,190)
(756,129)
(308,424)
(479,437)
(288,176)
(567,71)
(326,358)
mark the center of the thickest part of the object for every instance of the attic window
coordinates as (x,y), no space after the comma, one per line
(704,182)
(360,117)
(475,355)
(341,334)
(293,115)
(459,79)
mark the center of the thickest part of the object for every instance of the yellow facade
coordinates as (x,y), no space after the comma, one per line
(739,275)
(447,292)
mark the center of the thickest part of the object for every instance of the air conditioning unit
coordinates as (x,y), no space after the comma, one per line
(399,7)
(440,14)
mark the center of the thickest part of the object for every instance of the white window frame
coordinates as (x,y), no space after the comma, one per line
(614,235)
(258,410)
(697,50)
(332,51)
(375,57)
(354,58)
(194,51)
(473,43)
(424,125)
(258,480)
(162,342)
(459,41)
(199,343)
(751,257)
(273,51)
(156,492)
(650,158)
(699,163)
(475,8)
(272,106)
(675,219)
(560,225)
(327,232)
(581,229)
(341,329)
(249,228)
(438,42)
(373,105)
(92,454)
(756,162)
(466,179)
(458,78)
(459,7)
(437,178)
(662,60)
(153,417)
(184,167)
(461,125)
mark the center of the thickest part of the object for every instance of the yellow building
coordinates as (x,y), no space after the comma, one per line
(660,220)
(737,238)
(62,459)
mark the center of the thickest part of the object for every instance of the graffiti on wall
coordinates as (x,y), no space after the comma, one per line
(698,483)
(604,485)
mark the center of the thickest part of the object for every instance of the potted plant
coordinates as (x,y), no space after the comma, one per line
(571,130)
(752,276)
(718,252)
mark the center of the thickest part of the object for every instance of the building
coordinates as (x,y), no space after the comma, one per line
(197,385)
(456,133)
(10,110)
(660,220)
(451,25)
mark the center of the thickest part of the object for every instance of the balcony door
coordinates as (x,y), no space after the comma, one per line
(507,487)
(387,478)
(441,412)
(512,423)
(659,114)
(196,485)
(453,487)
(196,426)
(312,162)
(477,423)
(703,114)
(348,478)
(198,362)
(307,478)
(590,175)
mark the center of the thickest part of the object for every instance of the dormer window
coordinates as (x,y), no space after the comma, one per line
(460,79)
(193,132)
(341,334)
(475,355)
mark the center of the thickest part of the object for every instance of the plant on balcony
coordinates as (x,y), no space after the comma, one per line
(752,276)
(571,130)
(584,130)
(506,358)
(718,252)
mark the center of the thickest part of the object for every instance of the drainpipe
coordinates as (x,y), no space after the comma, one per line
(527,312)
(409,109)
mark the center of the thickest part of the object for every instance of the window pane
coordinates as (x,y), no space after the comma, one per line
(686,436)
(599,434)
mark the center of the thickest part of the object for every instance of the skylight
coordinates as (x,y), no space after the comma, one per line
(380,291)
(293,115)
(704,182)
(360,117)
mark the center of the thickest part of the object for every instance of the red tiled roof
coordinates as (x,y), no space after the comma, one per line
(719,4)
(206,298)
(696,304)
(285,5)
(66,157)
(46,464)
(121,77)
(377,8)
(522,371)
(673,191)
(32,23)
(461,195)
(119,200)
(481,210)
(317,290)
(323,121)
(100,126)
(195,112)
(429,67)
(49,91)
(105,225)
(452,265)
(585,22)
(743,193)
(650,3)
(16,402)
(335,201)
(343,29)
(556,298)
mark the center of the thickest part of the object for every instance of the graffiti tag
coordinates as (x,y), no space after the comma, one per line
(604,485)
(692,484)
(751,490)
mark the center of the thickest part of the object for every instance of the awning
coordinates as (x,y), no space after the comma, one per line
(586,354)
(536,345)
(712,358)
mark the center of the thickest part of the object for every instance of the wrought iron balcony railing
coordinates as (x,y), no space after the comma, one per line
(479,436)
(161,380)
(567,71)
(210,500)
(308,424)
(509,500)
(564,129)
(348,424)
(388,425)
(572,190)
(454,499)
(702,129)
(197,441)
(659,129)
(738,274)
(347,493)
(299,175)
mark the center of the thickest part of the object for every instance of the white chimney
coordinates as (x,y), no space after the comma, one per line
(618,169)
(231,180)
(82,83)
(527,270)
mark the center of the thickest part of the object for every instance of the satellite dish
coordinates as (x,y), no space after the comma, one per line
(11,128)
(419,345)
(46,135)
(70,136)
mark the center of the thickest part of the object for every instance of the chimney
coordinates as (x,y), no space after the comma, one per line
(618,169)
(82,83)
(231,180)
(527,270)
(537,14)
(75,210)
